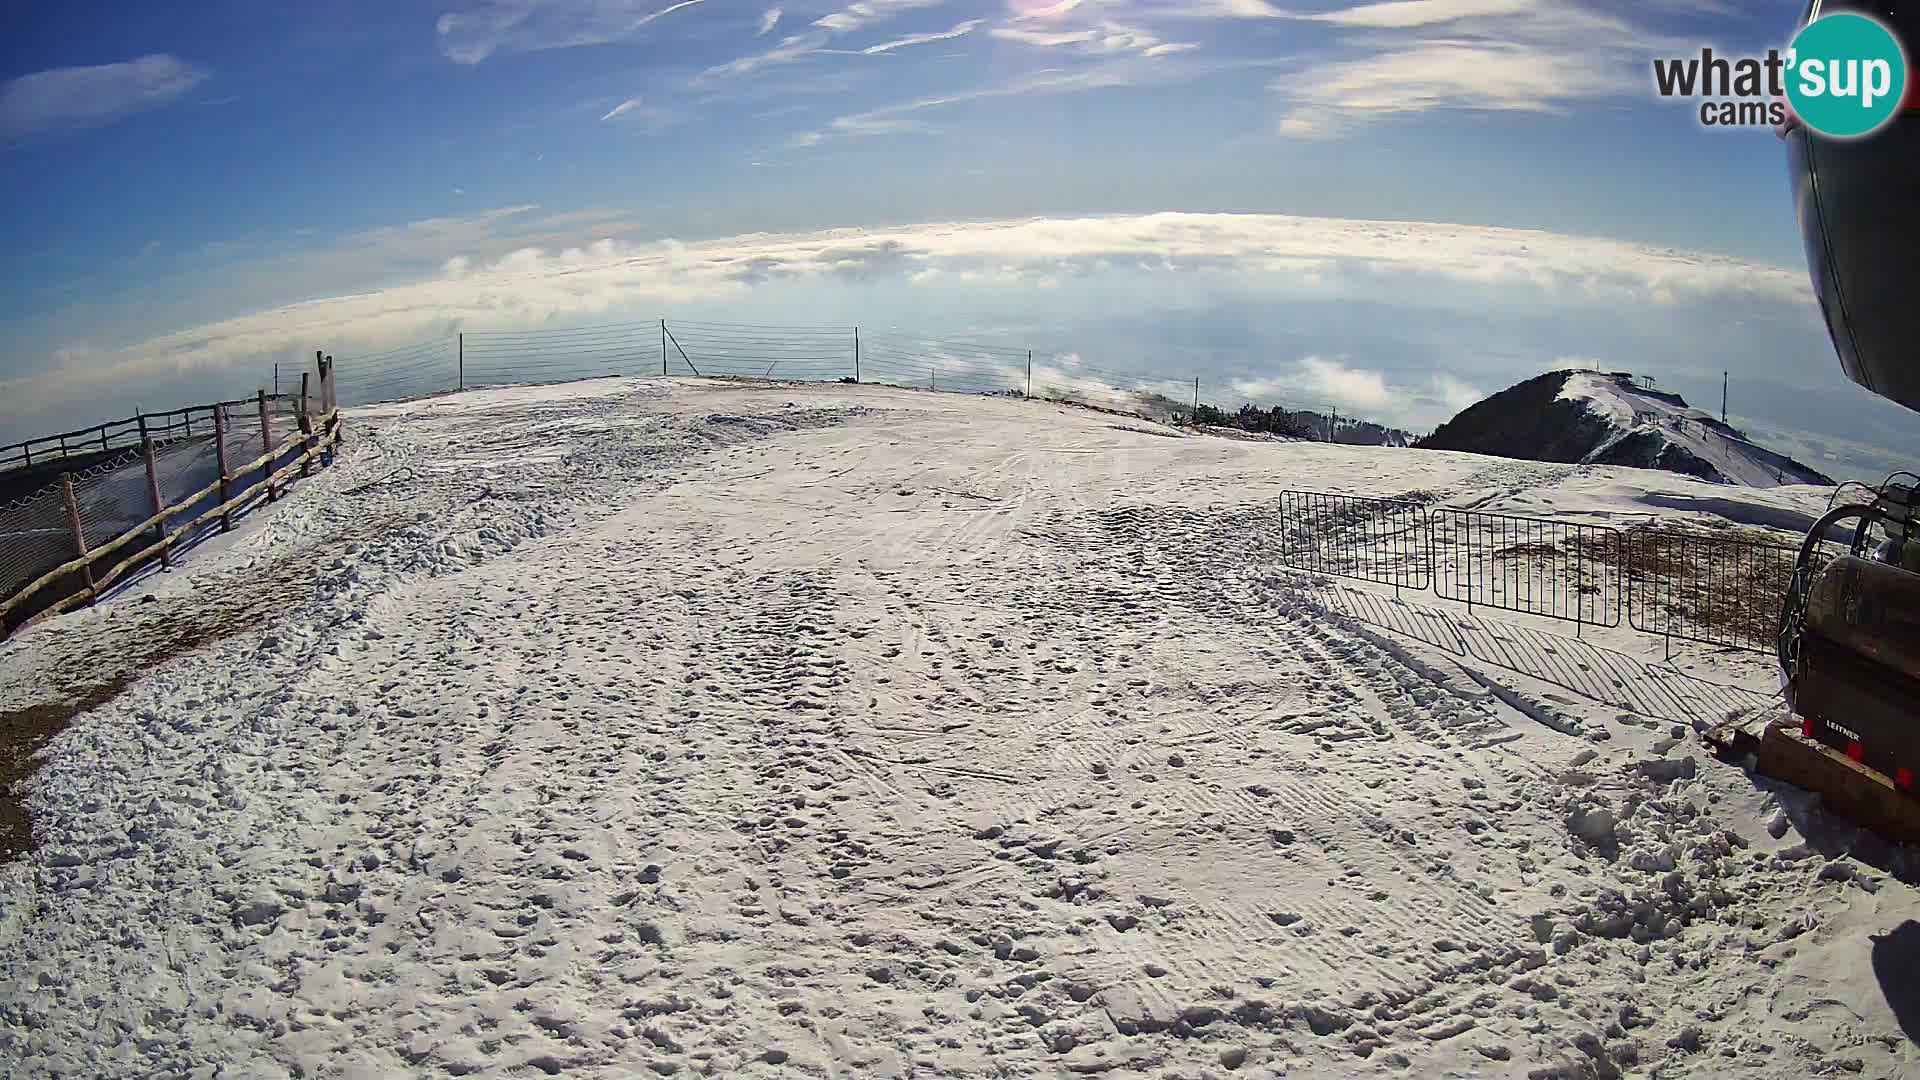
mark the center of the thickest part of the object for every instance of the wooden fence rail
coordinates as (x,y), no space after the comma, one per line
(129,434)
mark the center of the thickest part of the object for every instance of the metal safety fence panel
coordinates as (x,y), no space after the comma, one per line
(1379,540)
(1559,569)
(1715,590)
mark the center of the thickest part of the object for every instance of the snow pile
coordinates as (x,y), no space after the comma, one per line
(680,728)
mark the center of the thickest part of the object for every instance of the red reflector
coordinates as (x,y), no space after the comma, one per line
(1806,727)
(1856,751)
(1903,778)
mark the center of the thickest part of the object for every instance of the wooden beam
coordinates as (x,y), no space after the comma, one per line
(1862,795)
(266,433)
(73,522)
(153,493)
(220,458)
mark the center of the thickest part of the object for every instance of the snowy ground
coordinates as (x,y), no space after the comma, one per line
(682,727)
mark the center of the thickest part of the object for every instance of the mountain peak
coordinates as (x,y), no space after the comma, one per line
(1605,418)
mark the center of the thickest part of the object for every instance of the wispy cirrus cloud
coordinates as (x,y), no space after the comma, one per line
(867,12)
(1105,39)
(769,20)
(959,30)
(891,119)
(1404,56)
(799,46)
(515,26)
(791,48)
(1092,71)
(637,111)
(77,97)
(1408,14)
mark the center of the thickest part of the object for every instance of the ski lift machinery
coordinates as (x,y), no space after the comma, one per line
(1849,631)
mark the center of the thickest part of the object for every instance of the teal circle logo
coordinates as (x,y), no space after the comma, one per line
(1846,75)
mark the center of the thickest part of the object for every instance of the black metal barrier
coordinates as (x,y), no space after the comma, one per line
(1715,590)
(1559,569)
(1380,540)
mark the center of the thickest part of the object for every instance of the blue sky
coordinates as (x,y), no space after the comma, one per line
(175,181)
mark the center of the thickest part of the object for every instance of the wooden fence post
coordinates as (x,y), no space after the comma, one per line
(320,365)
(306,430)
(153,492)
(79,534)
(220,457)
(266,443)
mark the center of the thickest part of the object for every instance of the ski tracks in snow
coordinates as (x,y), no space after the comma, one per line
(843,732)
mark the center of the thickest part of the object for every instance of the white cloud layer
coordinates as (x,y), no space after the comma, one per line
(562,281)
(85,96)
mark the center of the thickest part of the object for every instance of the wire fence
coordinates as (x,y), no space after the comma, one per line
(780,352)
(1681,586)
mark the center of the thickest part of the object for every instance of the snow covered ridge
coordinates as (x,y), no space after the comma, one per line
(656,727)
(1605,419)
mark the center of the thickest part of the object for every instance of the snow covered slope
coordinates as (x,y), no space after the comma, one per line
(657,727)
(1606,419)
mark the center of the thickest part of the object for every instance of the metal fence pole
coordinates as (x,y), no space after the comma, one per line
(663,348)
(220,458)
(856,354)
(1029,392)
(79,534)
(460,361)
(1196,400)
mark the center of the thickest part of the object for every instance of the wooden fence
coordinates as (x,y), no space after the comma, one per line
(97,566)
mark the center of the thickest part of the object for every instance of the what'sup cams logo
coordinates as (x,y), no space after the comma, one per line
(1843,77)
